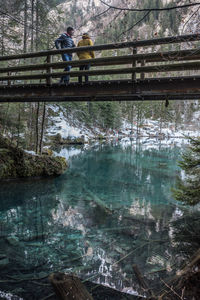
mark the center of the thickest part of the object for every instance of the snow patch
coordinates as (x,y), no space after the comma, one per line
(30,152)
(149,134)
(67,153)
(9,296)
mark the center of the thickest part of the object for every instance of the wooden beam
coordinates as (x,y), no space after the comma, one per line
(145,69)
(148,89)
(133,44)
(121,98)
(193,54)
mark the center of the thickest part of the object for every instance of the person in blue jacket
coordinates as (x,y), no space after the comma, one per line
(65,41)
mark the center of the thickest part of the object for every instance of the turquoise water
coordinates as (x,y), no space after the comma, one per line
(111,209)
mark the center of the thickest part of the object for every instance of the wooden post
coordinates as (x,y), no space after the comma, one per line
(49,70)
(134,64)
(68,287)
(142,75)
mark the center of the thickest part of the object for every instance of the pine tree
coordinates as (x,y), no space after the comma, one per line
(188,190)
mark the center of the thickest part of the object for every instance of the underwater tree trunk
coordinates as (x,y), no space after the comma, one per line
(98,201)
(68,287)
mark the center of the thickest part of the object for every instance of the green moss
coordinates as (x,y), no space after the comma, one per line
(101,137)
(14,163)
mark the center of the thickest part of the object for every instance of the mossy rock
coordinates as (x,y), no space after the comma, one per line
(47,151)
(15,163)
(101,137)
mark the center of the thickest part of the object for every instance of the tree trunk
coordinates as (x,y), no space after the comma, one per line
(5,119)
(32,24)
(37,127)
(37,26)
(2,34)
(161,118)
(18,129)
(42,127)
(30,125)
(138,118)
(68,287)
(131,118)
(25,25)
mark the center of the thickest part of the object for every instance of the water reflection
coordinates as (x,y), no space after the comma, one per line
(110,210)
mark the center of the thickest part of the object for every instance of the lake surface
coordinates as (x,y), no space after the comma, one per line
(112,209)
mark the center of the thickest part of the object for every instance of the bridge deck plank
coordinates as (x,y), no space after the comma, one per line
(147,89)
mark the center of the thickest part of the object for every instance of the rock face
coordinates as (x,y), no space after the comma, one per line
(16,163)
(83,16)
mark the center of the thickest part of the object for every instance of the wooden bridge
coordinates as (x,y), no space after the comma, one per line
(145,74)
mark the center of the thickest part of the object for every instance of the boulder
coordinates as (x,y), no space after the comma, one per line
(16,163)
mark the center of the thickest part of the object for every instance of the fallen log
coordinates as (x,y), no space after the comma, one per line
(142,282)
(68,287)
(185,284)
(93,197)
(102,292)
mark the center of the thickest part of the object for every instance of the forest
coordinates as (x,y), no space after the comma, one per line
(128,170)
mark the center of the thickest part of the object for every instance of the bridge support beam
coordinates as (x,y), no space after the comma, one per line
(121,90)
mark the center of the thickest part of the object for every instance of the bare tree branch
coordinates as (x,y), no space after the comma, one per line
(102,13)
(190,18)
(150,9)
(135,24)
(22,22)
(171,288)
(115,17)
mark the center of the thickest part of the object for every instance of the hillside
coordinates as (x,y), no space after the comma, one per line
(114,25)
(33,25)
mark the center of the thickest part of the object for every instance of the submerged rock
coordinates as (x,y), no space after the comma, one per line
(16,163)
(13,241)
(4,262)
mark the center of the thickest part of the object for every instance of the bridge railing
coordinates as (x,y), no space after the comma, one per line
(136,63)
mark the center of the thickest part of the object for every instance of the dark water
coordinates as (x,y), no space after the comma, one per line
(112,209)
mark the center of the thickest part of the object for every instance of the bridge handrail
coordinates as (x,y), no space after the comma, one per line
(147,69)
(117,60)
(133,44)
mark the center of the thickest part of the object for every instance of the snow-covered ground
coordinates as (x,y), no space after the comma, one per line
(149,134)
(68,152)
(69,128)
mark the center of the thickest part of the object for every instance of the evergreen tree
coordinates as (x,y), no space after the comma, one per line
(188,190)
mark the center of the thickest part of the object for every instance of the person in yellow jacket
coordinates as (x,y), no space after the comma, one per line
(85,41)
